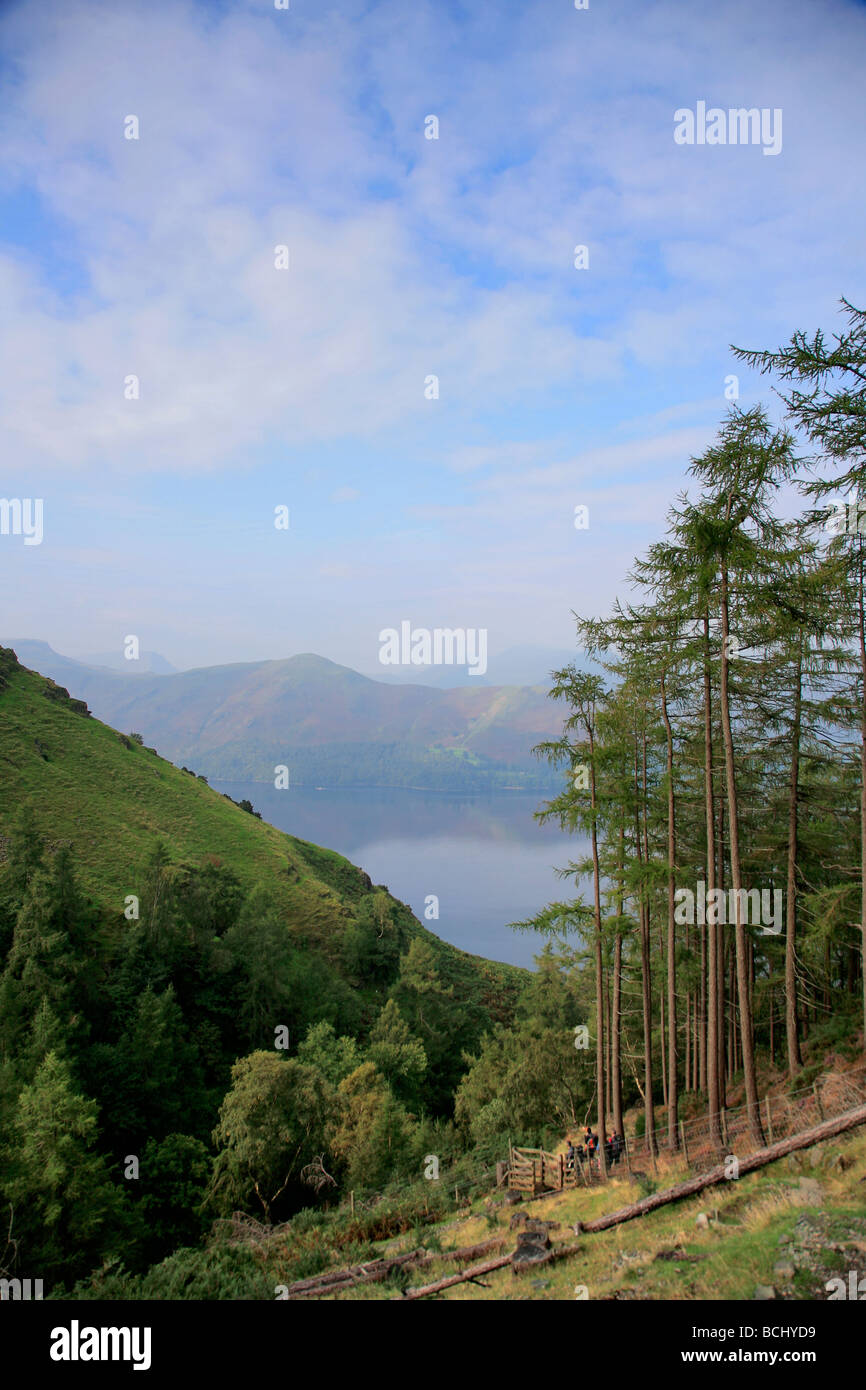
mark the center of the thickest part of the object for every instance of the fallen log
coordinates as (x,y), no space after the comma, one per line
(335,1280)
(471,1273)
(471,1252)
(557,1252)
(369,1276)
(828,1130)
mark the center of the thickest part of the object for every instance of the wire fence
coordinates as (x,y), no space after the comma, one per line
(781,1117)
(697,1144)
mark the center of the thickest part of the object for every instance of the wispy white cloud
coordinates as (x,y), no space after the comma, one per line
(408,258)
(554,130)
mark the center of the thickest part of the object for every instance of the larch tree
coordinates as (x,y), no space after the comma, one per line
(826,398)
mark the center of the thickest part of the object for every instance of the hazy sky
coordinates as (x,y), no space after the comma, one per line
(408,257)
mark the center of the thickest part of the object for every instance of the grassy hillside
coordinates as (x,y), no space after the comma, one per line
(112,799)
(328,724)
(789,1227)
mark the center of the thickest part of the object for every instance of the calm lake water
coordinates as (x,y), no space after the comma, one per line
(484,857)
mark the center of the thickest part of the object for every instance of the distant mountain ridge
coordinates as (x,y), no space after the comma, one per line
(328,724)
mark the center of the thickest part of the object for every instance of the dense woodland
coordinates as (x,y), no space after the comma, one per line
(161,1073)
(728,749)
(206,1043)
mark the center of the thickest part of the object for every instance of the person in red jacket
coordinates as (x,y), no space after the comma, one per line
(591,1146)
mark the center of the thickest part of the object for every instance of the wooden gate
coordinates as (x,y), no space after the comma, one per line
(535,1170)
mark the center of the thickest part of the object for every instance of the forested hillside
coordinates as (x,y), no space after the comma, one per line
(720,769)
(177,978)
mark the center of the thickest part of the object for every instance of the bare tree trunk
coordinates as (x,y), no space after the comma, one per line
(687,1045)
(673,1094)
(646,977)
(599,967)
(702,1016)
(772,1032)
(720,963)
(862,635)
(755,1127)
(647,999)
(616,1030)
(662,1031)
(794,1060)
(616,1041)
(733,1065)
(714,1017)
(607,1057)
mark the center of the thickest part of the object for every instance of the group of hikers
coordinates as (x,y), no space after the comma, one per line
(588,1151)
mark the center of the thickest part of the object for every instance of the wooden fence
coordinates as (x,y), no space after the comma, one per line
(782,1115)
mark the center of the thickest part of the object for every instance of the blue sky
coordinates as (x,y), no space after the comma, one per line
(408,257)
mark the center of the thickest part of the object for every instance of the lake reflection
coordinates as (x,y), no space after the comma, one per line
(485,857)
